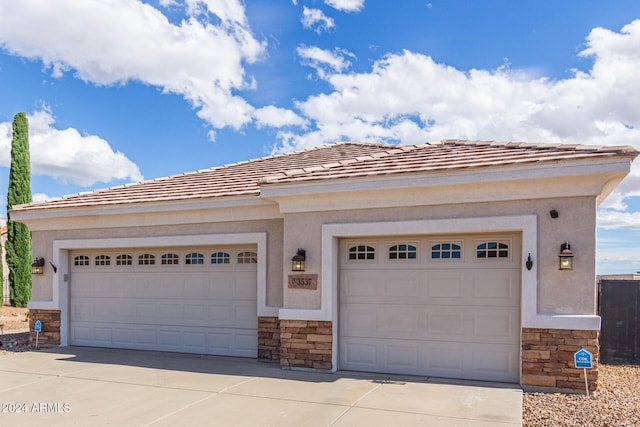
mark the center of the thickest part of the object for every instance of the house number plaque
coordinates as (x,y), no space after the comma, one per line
(303,281)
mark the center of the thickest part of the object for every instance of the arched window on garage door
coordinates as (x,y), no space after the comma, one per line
(146,259)
(247,257)
(220,258)
(403,251)
(170,259)
(362,252)
(492,250)
(124,259)
(81,261)
(103,260)
(194,258)
(446,250)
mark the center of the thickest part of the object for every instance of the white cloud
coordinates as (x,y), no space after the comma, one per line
(40,197)
(316,20)
(278,117)
(322,59)
(407,97)
(346,5)
(610,219)
(67,155)
(113,42)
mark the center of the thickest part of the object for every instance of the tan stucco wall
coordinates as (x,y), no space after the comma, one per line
(559,292)
(43,246)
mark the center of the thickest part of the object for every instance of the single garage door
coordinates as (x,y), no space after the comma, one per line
(446,306)
(193,300)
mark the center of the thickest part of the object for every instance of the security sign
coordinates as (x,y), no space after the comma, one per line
(583,359)
(38,326)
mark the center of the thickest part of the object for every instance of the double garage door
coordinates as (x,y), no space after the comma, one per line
(431,305)
(195,300)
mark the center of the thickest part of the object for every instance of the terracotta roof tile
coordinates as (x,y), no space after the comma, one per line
(456,154)
(335,161)
(237,179)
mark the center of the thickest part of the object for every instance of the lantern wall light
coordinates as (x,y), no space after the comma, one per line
(37,267)
(566,257)
(297,262)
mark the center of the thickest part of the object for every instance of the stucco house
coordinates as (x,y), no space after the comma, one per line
(440,259)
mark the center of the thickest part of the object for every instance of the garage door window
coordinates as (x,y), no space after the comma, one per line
(146,259)
(194,258)
(446,250)
(220,258)
(103,260)
(403,251)
(493,250)
(169,259)
(362,252)
(124,259)
(81,261)
(247,257)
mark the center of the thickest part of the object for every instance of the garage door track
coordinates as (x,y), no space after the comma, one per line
(94,386)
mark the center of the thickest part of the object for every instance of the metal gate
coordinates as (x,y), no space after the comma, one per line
(619,307)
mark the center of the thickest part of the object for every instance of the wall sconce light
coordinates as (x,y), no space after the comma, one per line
(297,262)
(37,267)
(554,213)
(566,257)
(529,263)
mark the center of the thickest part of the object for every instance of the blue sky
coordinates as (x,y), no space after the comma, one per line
(123,90)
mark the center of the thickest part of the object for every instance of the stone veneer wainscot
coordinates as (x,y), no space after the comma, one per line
(269,339)
(547,359)
(50,320)
(305,344)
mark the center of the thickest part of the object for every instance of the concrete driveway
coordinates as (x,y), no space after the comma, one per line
(93,386)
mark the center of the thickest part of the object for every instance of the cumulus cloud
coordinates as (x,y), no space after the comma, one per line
(609,219)
(407,97)
(323,59)
(67,155)
(113,42)
(346,5)
(278,117)
(316,20)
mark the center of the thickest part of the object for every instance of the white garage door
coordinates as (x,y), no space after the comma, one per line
(436,306)
(194,300)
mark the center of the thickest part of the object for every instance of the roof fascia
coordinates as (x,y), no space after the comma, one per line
(562,179)
(148,214)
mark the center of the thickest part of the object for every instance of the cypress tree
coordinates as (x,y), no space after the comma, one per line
(18,236)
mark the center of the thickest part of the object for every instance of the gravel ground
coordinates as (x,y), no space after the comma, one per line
(616,402)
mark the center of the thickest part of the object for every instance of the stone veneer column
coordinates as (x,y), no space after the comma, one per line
(547,358)
(269,338)
(305,344)
(50,320)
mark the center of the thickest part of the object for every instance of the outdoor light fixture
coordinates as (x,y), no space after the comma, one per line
(529,263)
(554,213)
(566,257)
(297,262)
(37,267)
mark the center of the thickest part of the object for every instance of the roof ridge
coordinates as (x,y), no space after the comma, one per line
(388,150)
(623,149)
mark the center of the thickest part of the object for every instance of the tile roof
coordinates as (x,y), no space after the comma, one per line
(237,179)
(452,155)
(335,161)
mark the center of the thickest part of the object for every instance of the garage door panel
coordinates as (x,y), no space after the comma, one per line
(440,359)
(444,323)
(450,318)
(497,288)
(501,326)
(185,308)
